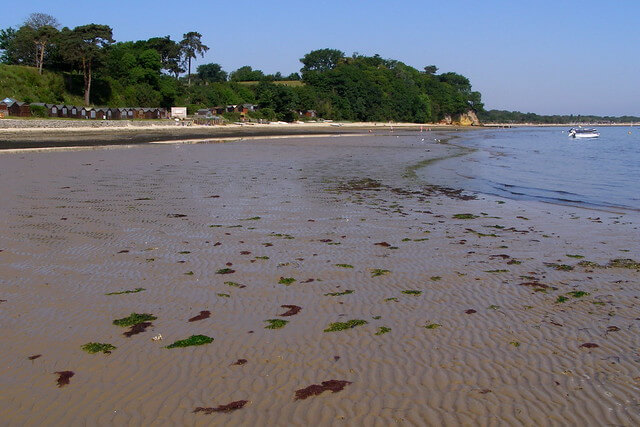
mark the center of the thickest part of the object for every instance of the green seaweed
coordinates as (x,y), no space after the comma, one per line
(383,330)
(516,344)
(561,299)
(193,340)
(624,263)
(134,319)
(275,323)
(136,290)
(435,278)
(432,325)
(234,284)
(377,317)
(189,273)
(575,256)
(493,307)
(337,294)
(286,280)
(496,271)
(559,267)
(344,265)
(262,257)
(341,326)
(225,271)
(375,272)
(224,295)
(412,292)
(394,299)
(97,347)
(253,218)
(184,252)
(465,216)
(578,294)
(589,264)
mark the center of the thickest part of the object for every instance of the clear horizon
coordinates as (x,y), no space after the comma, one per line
(562,57)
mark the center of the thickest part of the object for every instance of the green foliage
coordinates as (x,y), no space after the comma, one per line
(39,111)
(193,340)
(134,319)
(246,74)
(96,347)
(211,73)
(503,116)
(341,326)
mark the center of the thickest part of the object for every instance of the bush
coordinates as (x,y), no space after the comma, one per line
(39,111)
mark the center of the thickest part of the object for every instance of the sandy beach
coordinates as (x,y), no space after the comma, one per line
(457,309)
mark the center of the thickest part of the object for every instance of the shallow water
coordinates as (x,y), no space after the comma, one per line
(545,164)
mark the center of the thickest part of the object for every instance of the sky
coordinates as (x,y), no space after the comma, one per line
(546,57)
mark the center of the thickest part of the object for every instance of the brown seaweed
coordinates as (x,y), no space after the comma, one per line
(239,362)
(293,310)
(204,314)
(137,329)
(238,404)
(64,377)
(34,357)
(589,345)
(316,389)
(470,311)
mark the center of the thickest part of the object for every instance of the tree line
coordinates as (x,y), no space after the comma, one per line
(516,117)
(157,72)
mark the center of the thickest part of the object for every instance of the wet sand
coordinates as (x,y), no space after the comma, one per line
(490,320)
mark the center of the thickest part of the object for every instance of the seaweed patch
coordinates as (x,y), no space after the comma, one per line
(293,310)
(275,323)
(233,406)
(341,326)
(64,377)
(316,389)
(204,314)
(193,340)
(136,290)
(134,319)
(97,347)
(138,328)
(337,294)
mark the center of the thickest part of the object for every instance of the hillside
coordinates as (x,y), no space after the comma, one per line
(25,84)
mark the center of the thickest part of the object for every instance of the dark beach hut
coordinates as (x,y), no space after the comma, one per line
(20,109)
(4,110)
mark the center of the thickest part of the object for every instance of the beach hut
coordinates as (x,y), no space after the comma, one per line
(19,109)
(74,111)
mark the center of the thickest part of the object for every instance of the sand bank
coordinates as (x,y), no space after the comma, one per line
(463,319)
(134,133)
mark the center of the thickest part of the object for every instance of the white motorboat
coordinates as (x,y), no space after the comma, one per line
(583,133)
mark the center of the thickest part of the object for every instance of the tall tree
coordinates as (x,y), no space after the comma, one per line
(38,20)
(84,46)
(191,45)
(44,36)
(170,52)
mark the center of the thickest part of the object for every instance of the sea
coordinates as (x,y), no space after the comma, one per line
(545,164)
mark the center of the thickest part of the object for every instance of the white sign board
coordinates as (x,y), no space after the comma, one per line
(179,112)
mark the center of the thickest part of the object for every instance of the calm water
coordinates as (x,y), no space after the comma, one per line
(545,164)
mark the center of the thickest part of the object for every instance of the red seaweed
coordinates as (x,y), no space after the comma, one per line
(470,311)
(308,281)
(238,404)
(293,310)
(137,329)
(204,314)
(34,357)
(64,377)
(589,345)
(316,389)
(239,362)
(383,244)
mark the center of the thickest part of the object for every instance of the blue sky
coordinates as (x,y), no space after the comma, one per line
(548,57)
